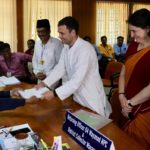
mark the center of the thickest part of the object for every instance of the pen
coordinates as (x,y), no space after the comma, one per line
(44,144)
(5,133)
(66,109)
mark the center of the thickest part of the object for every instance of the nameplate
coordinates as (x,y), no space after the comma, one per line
(86,136)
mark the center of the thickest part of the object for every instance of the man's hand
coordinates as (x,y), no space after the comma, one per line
(32,100)
(40,85)
(48,95)
(15,92)
(40,76)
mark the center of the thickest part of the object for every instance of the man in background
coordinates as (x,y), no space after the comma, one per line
(30,44)
(120,49)
(106,50)
(12,64)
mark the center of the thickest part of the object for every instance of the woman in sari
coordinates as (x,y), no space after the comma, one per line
(134,81)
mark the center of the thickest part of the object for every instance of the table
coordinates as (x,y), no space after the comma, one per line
(46,118)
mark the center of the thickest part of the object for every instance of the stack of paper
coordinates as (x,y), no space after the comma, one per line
(9,80)
(94,120)
(33,92)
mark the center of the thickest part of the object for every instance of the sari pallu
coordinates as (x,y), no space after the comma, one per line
(138,126)
(130,66)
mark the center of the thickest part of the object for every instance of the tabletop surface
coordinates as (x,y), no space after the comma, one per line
(47,117)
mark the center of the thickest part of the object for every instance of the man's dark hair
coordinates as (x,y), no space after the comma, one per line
(2,47)
(6,45)
(87,38)
(120,37)
(140,18)
(70,22)
(103,37)
(1,42)
(33,41)
(43,23)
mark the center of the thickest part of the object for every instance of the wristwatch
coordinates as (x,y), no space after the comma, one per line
(129,103)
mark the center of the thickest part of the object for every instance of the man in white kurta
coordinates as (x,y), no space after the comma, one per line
(50,53)
(47,51)
(78,62)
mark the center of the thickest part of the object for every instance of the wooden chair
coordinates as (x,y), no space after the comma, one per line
(111,76)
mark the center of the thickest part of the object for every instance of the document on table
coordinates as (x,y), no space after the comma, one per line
(94,120)
(33,92)
(9,80)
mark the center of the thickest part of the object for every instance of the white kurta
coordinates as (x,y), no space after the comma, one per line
(80,67)
(49,53)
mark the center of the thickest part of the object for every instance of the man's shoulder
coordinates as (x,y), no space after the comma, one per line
(124,45)
(55,40)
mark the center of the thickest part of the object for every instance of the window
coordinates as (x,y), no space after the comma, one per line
(111,21)
(54,10)
(139,6)
(8,23)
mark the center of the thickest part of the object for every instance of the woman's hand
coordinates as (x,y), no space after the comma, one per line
(126,109)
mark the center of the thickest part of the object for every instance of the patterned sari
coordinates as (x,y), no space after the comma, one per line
(137,76)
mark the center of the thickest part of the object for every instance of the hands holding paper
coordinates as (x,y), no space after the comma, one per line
(40,85)
(48,95)
(32,100)
(40,76)
(15,92)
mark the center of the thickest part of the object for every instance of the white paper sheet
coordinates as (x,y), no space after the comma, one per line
(9,80)
(33,92)
(94,120)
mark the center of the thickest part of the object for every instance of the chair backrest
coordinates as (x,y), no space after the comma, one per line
(112,67)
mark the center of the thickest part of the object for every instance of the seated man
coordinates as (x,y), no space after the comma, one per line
(28,65)
(12,64)
(102,61)
(99,56)
(106,50)
(30,44)
(8,103)
(120,49)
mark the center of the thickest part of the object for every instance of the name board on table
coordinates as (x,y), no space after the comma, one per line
(86,136)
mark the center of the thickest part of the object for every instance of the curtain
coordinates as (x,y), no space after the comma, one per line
(8,23)
(54,10)
(111,21)
(139,6)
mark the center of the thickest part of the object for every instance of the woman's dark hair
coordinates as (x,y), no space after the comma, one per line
(70,22)
(140,18)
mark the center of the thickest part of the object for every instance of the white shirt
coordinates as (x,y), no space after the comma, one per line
(48,53)
(80,67)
